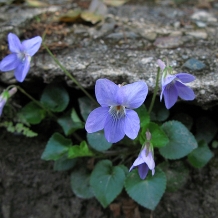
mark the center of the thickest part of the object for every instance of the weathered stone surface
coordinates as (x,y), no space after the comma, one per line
(124,47)
(204,16)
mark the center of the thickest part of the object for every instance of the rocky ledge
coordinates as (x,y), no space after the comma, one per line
(123,48)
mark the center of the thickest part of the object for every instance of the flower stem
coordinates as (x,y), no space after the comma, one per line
(35,101)
(155,91)
(68,74)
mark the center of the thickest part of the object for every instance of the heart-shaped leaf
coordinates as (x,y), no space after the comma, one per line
(184,119)
(55,98)
(97,141)
(56,147)
(107,181)
(86,106)
(32,113)
(181,140)
(146,192)
(200,156)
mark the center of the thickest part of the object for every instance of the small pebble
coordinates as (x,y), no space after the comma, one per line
(194,64)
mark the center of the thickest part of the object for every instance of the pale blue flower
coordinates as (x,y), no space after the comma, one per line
(20,57)
(173,85)
(3,101)
(144,162)
(115,115)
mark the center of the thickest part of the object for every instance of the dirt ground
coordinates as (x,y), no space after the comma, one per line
(29,188)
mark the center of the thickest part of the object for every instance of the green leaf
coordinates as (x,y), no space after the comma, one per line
(68,124)
(143,115)
(18,128)
(56,147)
(55,98)
(32,113)
(86,107)
(125,169)
(107,181)
(97,141)
(74,116)
(176,173)
(200,156)
(146,192)
(81,150)
(184,119)
(158,136)
(63,164)
(181,140)
(206,129)
(80,183)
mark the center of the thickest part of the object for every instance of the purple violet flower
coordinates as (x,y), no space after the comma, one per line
(3,101)
(20,57)
(173,85)
(4,97)
(115,115)
(144,162)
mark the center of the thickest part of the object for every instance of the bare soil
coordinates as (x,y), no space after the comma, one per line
(29,188)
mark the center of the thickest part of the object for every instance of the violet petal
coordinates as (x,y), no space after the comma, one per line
(170,96)
(185,77)
(114,129)
(143,170)
(22,70)
(132,124)
(134,94)
(31,46)
(10,62)
(96,119)
(148,159)
(105,92)
(14,43)
(184,92)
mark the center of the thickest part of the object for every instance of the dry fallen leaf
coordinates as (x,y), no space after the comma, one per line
(71,16)
(35,3)
(91,17)
(204,4)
